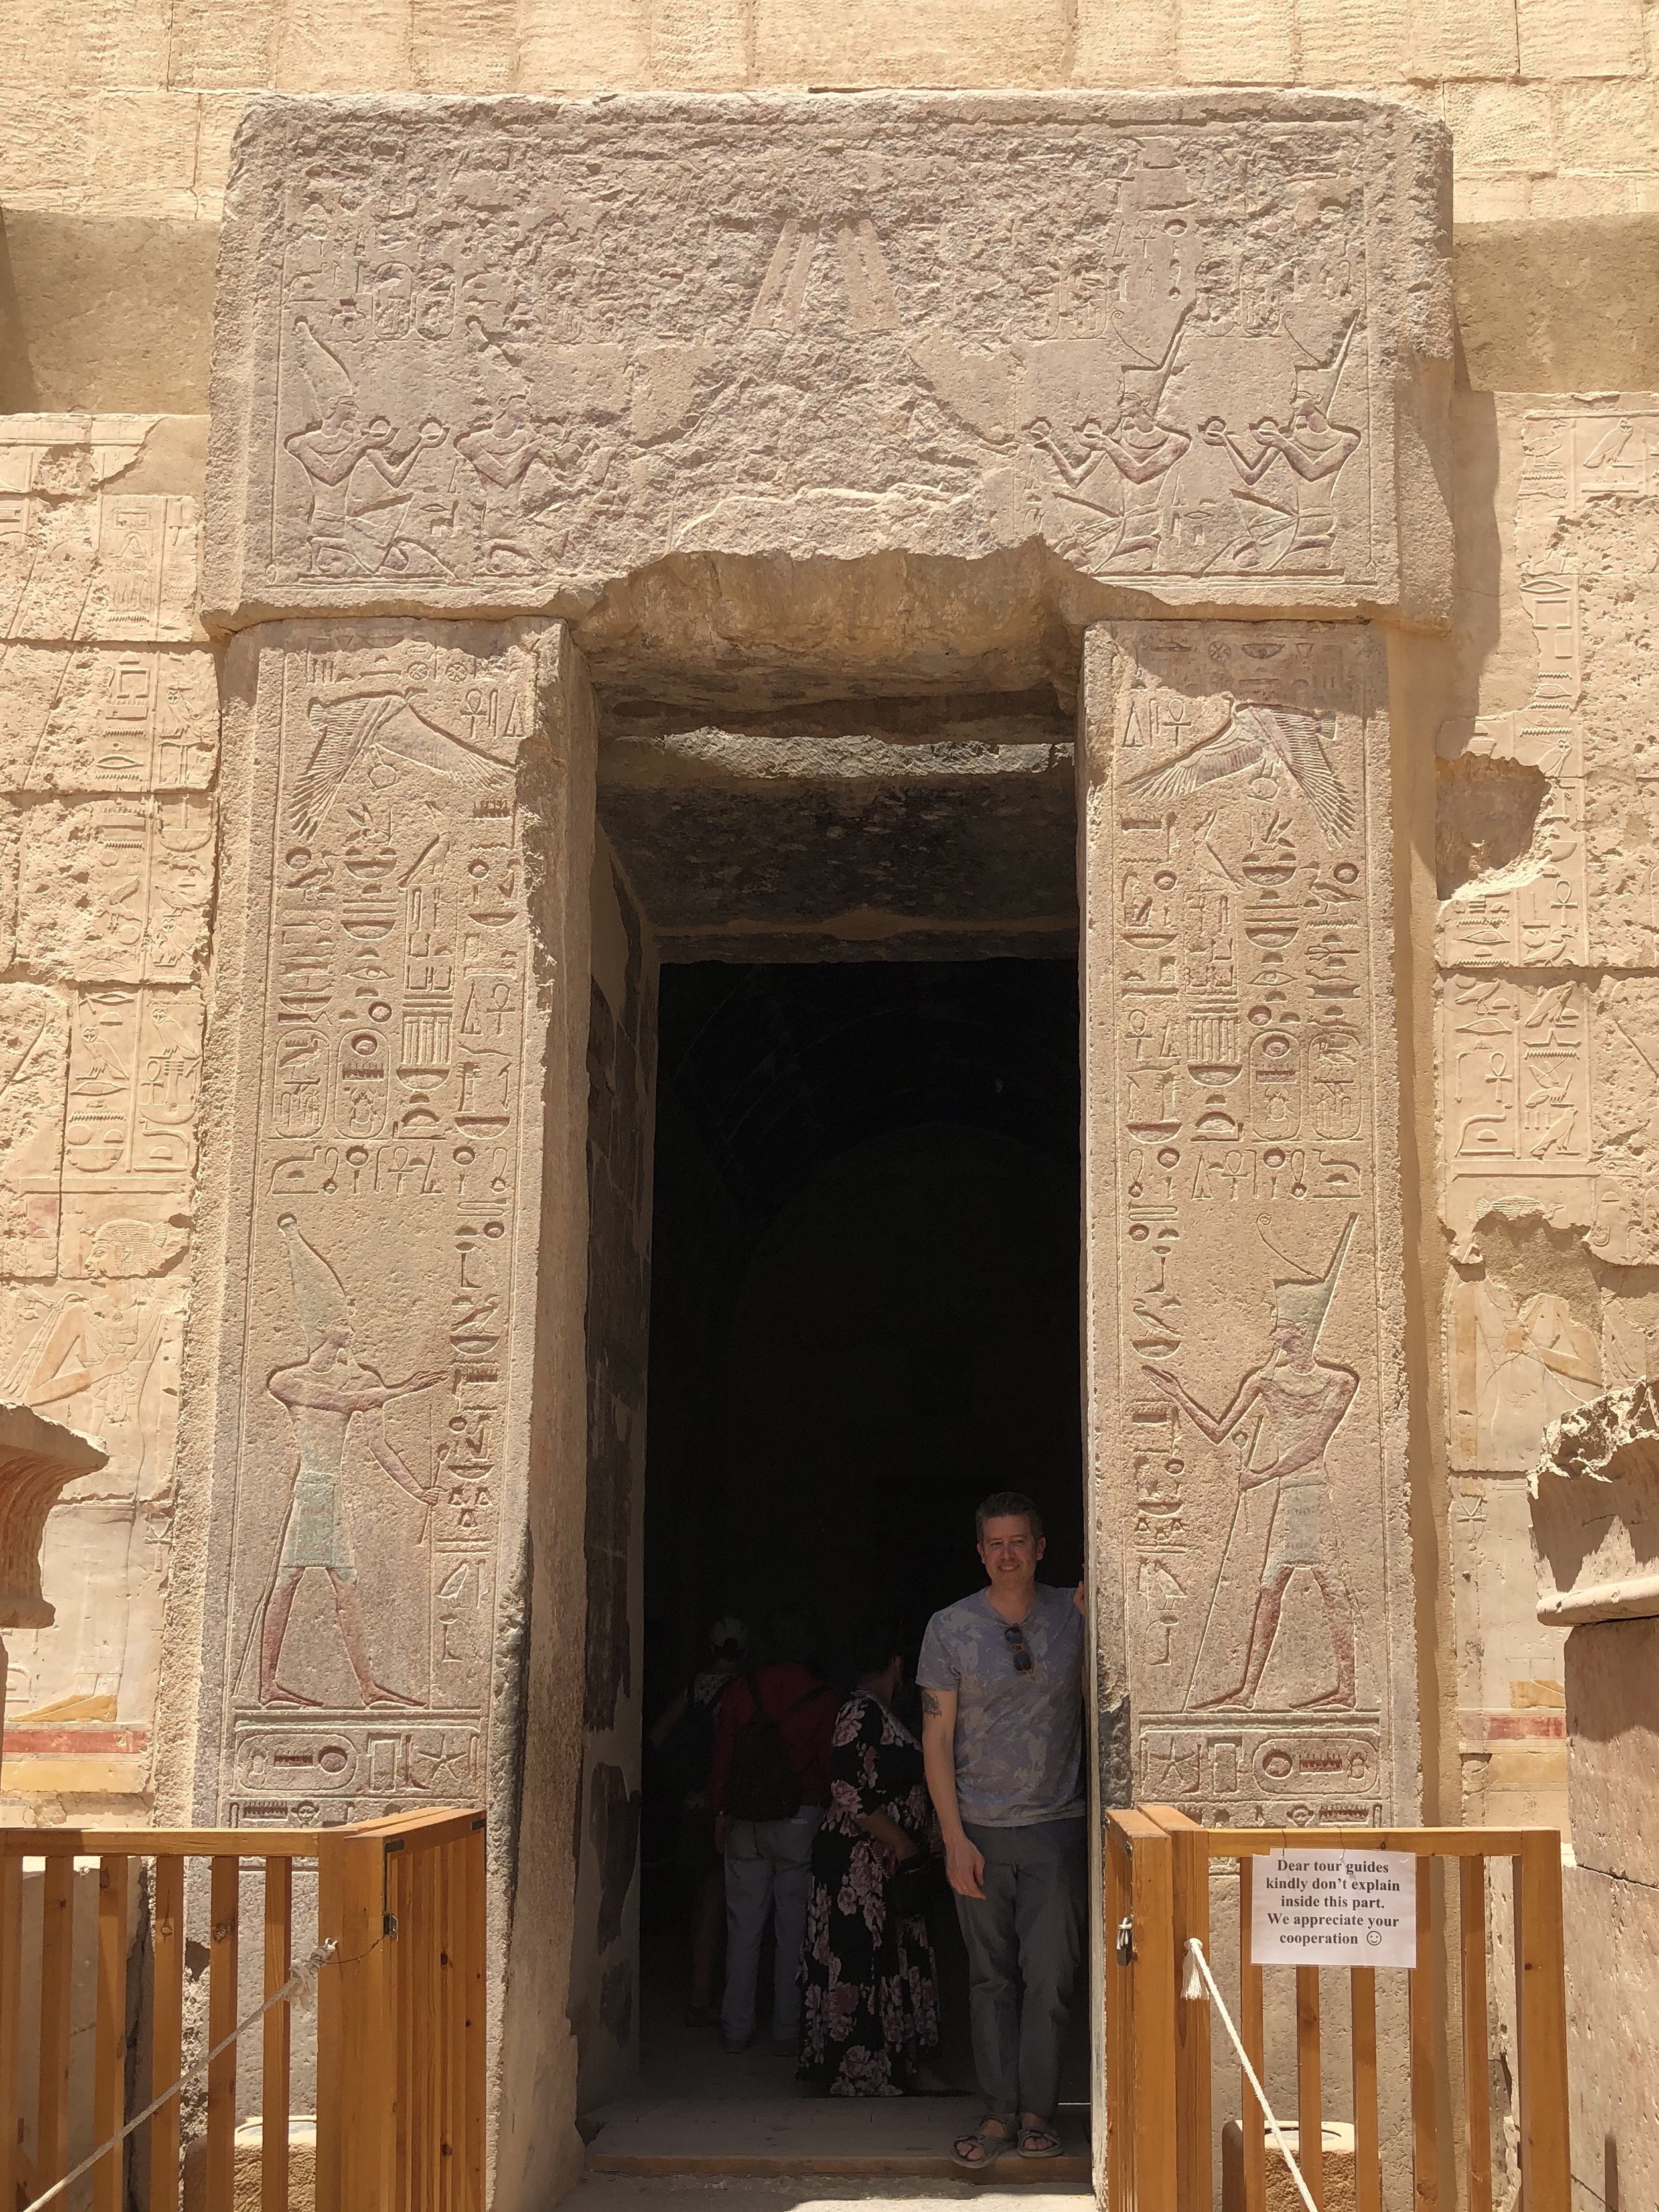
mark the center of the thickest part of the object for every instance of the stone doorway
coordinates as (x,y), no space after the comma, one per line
(864,1278)
(791,532)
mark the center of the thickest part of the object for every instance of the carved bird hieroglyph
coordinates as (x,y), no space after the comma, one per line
(1255,738)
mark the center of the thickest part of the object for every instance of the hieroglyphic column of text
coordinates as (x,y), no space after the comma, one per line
(398,953)
(1243,1232)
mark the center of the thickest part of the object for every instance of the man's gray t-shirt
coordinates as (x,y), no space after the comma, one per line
(1019,1736)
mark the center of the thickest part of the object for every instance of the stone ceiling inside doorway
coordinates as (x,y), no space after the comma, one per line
(908,827)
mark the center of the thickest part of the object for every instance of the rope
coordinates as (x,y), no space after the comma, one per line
(297,1989)
(1198,1966)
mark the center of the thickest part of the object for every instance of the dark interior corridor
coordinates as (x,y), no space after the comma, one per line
(865,1293)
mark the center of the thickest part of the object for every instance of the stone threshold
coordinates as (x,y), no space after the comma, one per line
(897,2138)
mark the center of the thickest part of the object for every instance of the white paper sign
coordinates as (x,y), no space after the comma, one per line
(1334,1909)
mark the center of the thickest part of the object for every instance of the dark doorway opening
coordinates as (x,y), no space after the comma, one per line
(865,1316)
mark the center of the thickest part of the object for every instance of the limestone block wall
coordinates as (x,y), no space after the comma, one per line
(116,123)
(1547,949)
(108,754)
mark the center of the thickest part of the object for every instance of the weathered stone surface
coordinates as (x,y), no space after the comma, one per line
(388,1055)
(762,840)
(501,354)
(1595,1509)
(382,1589)
(108,739)
(108,718)
(1549,1013)
(38,1458)
(1243,1209)
(621,1049)
(1512,1721)
(105,1357)
(98,539)
(34,1076)
(1612,1755)
(1585,474)
(117,890)
(1613,1997)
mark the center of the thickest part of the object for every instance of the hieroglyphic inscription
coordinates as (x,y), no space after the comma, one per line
(1238,893)
(108,749)
(108,718)
(393,991)
(486,348)
(1546,1070)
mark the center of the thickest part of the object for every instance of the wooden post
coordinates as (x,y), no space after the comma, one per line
(1367,2131)
(224,1910)
(277,2038)
(1153,2043)
(1477,2078)
(1425,2139)
(1189,1851)
(11,2022)
(1541,2024)
(356,2054)
(1120,2109)
(1310,2105)
(109,2068)
(475,1968)
(1252,2126)
(56,1972)
(167,2030)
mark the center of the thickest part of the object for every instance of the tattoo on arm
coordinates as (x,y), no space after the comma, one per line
(930,1703)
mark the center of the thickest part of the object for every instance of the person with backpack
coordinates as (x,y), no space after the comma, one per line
(768,1786)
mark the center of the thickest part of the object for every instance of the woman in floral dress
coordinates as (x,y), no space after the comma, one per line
(871,2010)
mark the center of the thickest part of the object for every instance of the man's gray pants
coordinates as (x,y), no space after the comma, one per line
(1024,1940)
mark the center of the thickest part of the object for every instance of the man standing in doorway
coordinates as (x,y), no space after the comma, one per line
(768,1789)
(1001,1682)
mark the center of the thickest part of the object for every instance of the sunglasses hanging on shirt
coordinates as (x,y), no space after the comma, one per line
(1015,1636)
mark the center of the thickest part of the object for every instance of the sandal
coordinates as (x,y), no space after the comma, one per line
(990,2147)
(1038,2140)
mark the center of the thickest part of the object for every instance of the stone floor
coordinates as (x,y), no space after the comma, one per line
(704,2118)
(683,2193)
(872,2139)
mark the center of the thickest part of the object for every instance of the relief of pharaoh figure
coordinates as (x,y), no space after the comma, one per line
(501,453)
(1314,448)
(1281,1420)
(332,447)
(1142,448)
(323,1395)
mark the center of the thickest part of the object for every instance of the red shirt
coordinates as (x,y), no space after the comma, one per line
(806,1732)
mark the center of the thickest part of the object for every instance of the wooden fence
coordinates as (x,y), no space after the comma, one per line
(1160,2149)
(400,2010)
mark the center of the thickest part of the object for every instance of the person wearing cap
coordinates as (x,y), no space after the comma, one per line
(683,1738)
(1001,1680)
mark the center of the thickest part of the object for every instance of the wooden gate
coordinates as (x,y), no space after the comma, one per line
(398,1908)
(1160,2148)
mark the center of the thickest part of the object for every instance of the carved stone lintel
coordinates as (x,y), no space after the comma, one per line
(1199,340)
(1594,1498)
